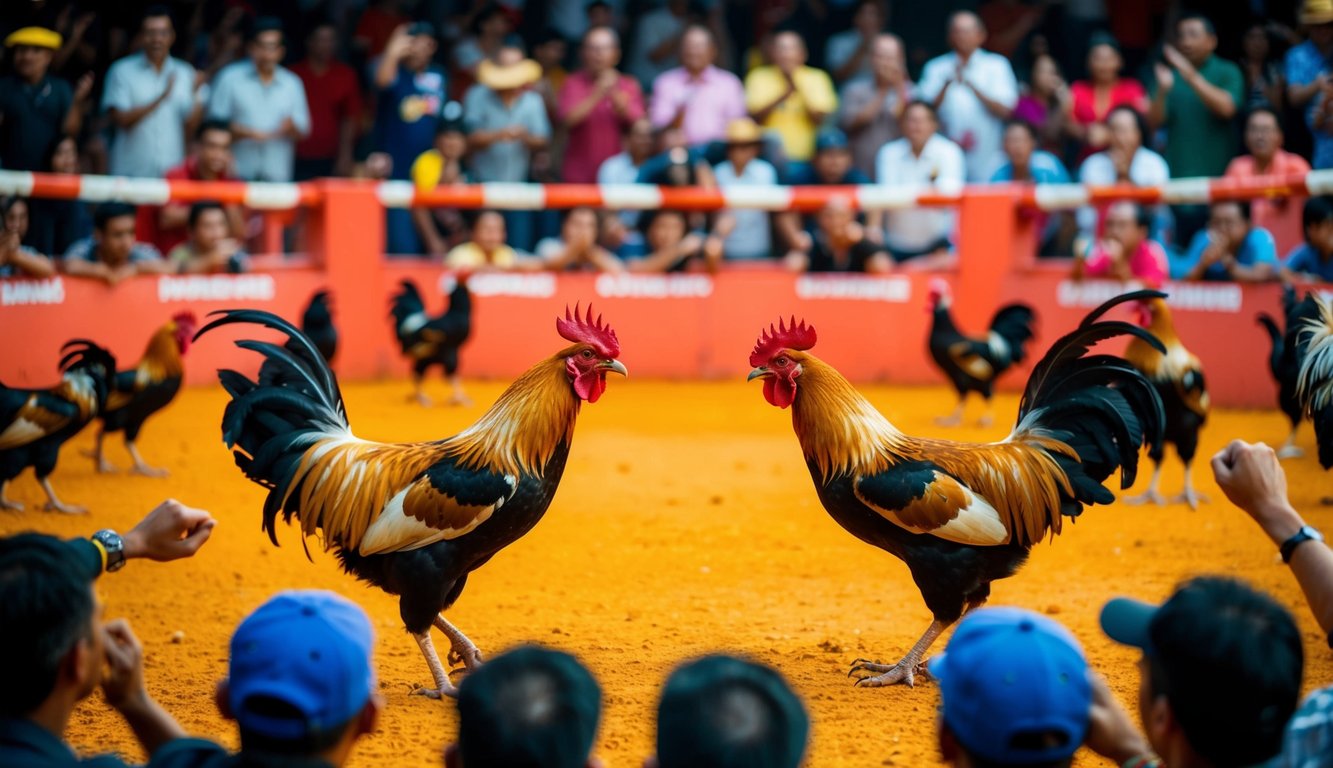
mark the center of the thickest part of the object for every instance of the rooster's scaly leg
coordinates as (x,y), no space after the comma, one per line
(98,457)
(418,395)
(54,504)
(904,671)
(1188,495)
(459,397)
(5,503)
(140,466)
(988,417)
(1151,494)
(461,650)
(955,418)
(442,685)
(1289,449)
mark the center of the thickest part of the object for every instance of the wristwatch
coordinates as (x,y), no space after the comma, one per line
(1306,533)
(115,549)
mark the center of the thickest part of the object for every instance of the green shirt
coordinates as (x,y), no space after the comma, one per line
(1198,142)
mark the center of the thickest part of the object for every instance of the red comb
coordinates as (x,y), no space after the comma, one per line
(185,317)
(585,330)
(796,336)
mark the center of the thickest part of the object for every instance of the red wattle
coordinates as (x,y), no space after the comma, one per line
(778,392)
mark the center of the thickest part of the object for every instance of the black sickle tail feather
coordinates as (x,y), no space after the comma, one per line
(270,425)
(1275,341)
(99,364)
(1013,323)
(317,323)
(1100,405)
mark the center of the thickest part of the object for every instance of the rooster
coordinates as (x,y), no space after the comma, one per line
(144,390)
(1178,377)
(35,423)
(317,323)
(973,365)
(1284,360)
(430,340)
(413,519)
(1314,384)
(963,515)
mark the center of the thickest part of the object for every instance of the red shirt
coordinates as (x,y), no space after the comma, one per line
(1147,263)
(332,96)
(598,136)
(1279,215)
(1086,109)
(146,229)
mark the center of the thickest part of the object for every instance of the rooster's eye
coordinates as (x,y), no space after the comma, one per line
(587,353)
(781,362)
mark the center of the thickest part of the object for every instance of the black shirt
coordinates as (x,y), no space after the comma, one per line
(31,117)
(822,258)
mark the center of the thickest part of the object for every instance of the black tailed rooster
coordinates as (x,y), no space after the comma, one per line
(414,519)
(962,515)
(145,389)
(429,341)
(1284,360)
(34,423)
(317,323)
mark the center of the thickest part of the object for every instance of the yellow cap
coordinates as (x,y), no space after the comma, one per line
(38,37)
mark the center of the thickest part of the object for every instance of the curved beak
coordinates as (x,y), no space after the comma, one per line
(616,366)
(758,373)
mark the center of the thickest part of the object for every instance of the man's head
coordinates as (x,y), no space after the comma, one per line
(492,22)
(56,656)
(157,33)
(549,49)
(836,215)
(1127,223)
(601,50)
(580,228)
(208,224)
(488,230)
(1263,133)
(639,139)
(421,46)
(789,51)
(321,45)
(1221,669)
(300,680)
(698,50)
(1127,129)
(1020,141)
(919,123)
(451,132)
(113,224)
(1014,690)
(526,708)
(1196,37)
(212,140)
(833,156)
(720,711)
(267,44)
(1229,223)
(887,58)
(1317,223)
(966,33)
(665,229)
(600,14)
(32,49)
(743,140)
(868,18)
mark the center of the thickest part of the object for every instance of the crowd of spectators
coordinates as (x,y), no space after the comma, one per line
(679,92)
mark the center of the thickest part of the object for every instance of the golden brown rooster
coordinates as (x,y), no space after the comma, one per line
(1178,377)
(414,519)
(962,515)
(145,389)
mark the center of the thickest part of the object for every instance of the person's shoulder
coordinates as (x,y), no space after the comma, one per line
(1240,166)
(191,753)
(1293,162)
(80,249)
(144,252)
(942,145)
(1299,255)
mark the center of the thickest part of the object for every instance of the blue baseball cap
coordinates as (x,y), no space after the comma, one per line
(830,138)
(308,649)
(1007,674)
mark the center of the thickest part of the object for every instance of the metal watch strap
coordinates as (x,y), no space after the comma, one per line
(115,549)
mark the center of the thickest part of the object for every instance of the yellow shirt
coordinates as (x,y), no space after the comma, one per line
(789,119)
(469,256)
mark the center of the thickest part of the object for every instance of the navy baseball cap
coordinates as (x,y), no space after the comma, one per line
(1014,687)
(308,649)
(830,138)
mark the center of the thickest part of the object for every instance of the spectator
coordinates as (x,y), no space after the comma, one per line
(150,98)
(165,227)
(35,108)
(697,96)
(871,107)
(300,685)
(1263,138)
(1264,82)
(56,224)
(720,710)
(59,658)
(974,92)
(1124,161)
(1010,23)
(506,123)
(576,248)
(17,259)
(921,157)
(1231,248)
(1195,100)
(742,234)
(575,18)
(985,718)
(441,228)
(376,27)
(832,166)
(624,167)
(112,253)
(657,41)
(487,249)
(669,244)
(849,54)
(1026,164)
(596,103)
(410,104)
(1091,100)
(1313,259)
(265,105)
(1220,675)
(209,248)
(1307,73)
(1125,251)
(839,244)
(789,98)
(490,29)
(1045,105)
(333,95)
(549,50)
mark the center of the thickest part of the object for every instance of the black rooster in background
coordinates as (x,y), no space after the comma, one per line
(1284,361)
(317,323)
(429,341)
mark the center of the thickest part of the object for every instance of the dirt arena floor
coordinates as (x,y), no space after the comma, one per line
(686,523)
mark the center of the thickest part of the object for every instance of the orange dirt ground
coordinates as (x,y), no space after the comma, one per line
(686,523)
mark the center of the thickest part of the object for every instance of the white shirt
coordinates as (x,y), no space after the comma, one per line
(965,119)
(939,165)
(751,238)
(240,97)
(156,143)
(1147,169)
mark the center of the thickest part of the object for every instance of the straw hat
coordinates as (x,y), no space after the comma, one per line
(743,130)
(1317,12)
(499,77)
(37,37)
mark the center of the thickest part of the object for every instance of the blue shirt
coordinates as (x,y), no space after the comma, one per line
(408,112)
(1306,259)
(1303,64)
(1257,248)
(86,250)
(25,744)
(806,176)
(1044,168)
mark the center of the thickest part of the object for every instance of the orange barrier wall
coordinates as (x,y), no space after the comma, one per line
(676,326)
